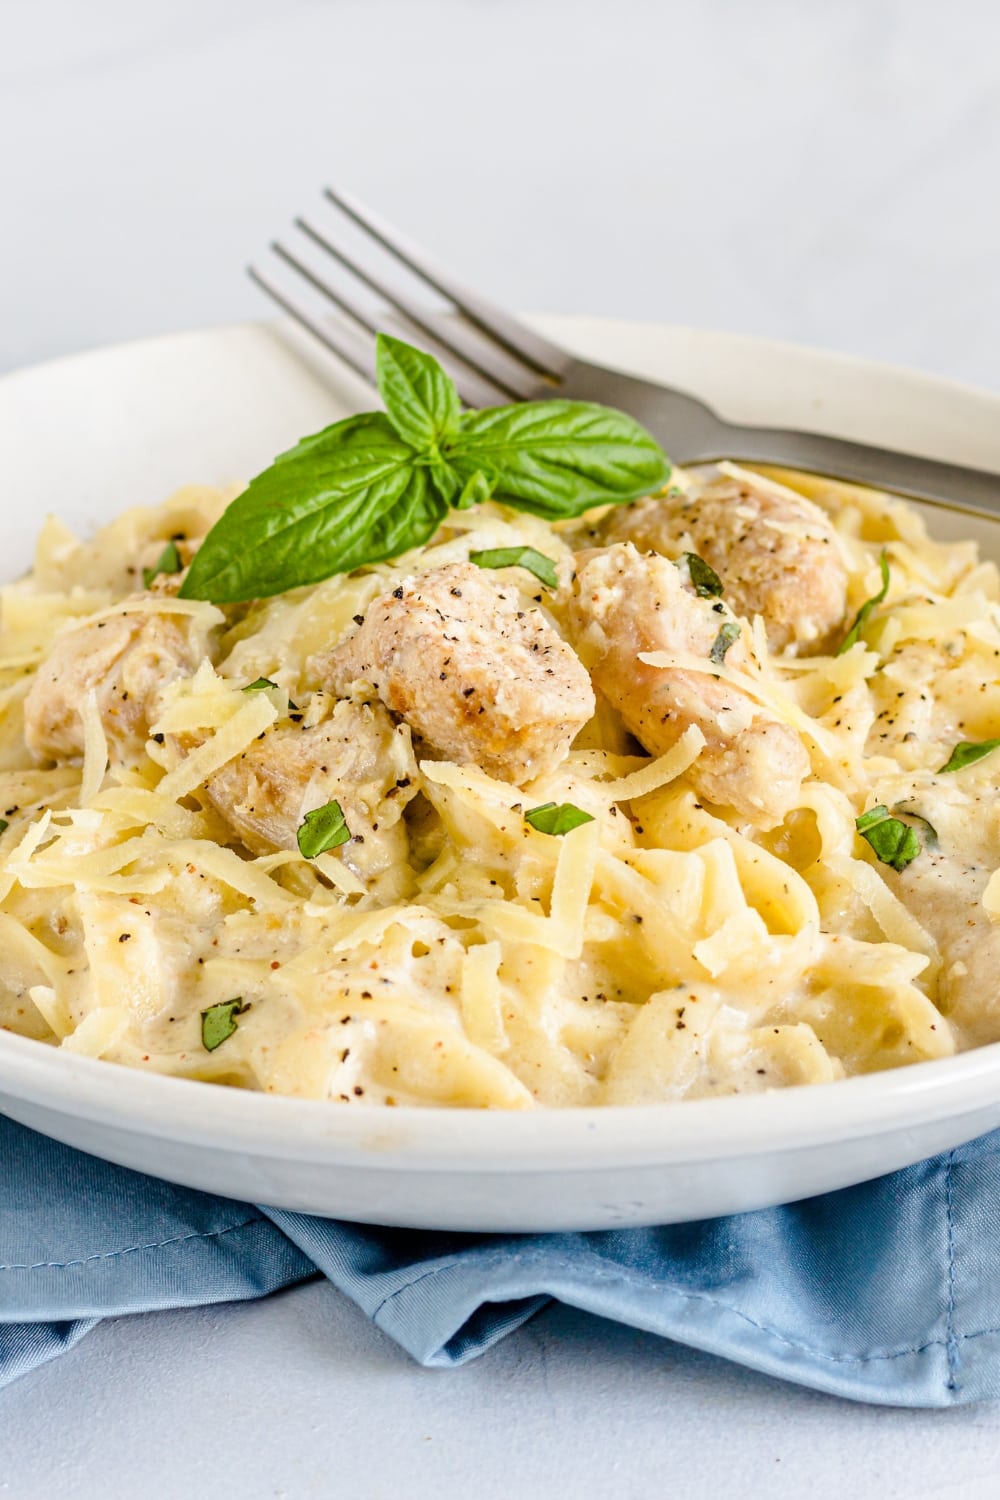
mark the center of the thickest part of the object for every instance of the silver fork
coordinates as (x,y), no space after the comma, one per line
(494,358)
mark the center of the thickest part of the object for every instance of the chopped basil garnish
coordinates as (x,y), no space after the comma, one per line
(893,843)
(218,1022)
(704,580)
(169,561)
(322,829)
(4,825)
(518,557)
(854,634)
(259,685)
(930,832)
(557,818)
(728,634)
(967,752)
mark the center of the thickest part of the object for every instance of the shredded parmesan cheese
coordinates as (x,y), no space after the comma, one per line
(442,947)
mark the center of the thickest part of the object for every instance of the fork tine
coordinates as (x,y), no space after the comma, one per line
(470,346)
(473,389)
(320,284)
(345,344)
(544,357)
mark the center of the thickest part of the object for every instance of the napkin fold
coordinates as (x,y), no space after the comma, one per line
(888,1292)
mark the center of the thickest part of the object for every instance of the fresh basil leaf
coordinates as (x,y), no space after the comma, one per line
(930,832)
(346,497)
(169,561)
(4,825)
(518,557)
(322,829)
(873,816)
(420,399)
(967,752)
(557,819)
(893,843)
(445,481)
(218,1022)
(557,459)
(728,633)
(703,579)
(854,634)
(477,488)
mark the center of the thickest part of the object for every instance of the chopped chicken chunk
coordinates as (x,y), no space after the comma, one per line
(623,604)
(775,551)
(480,678)
(357,758)
(127,659)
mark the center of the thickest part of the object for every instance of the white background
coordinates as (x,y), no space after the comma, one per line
(818,170)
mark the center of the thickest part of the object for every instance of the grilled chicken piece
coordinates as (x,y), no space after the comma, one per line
(775,551)
(480,678)
(357,758)
(621,604)
(128,658)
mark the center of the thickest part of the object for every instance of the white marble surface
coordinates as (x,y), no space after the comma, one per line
(298,1397)
(817,171)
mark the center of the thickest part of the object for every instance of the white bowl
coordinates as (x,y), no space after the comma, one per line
(89,435)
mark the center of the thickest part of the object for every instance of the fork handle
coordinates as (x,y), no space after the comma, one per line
(838,458)
(692,433)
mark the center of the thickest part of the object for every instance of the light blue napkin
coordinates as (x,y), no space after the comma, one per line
(888,1292)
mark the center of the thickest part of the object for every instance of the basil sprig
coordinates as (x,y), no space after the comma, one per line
(854,634)
(322,829)
(218,1022)
(543,567)
(375,485)
(557,819)
(966,753)
(893,842)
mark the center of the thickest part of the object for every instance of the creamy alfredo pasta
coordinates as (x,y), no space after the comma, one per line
(438,832)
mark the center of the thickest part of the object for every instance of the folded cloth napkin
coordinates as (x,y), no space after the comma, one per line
(888,1292)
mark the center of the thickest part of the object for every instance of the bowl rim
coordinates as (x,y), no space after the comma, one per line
(581,1137)
(572,1138)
